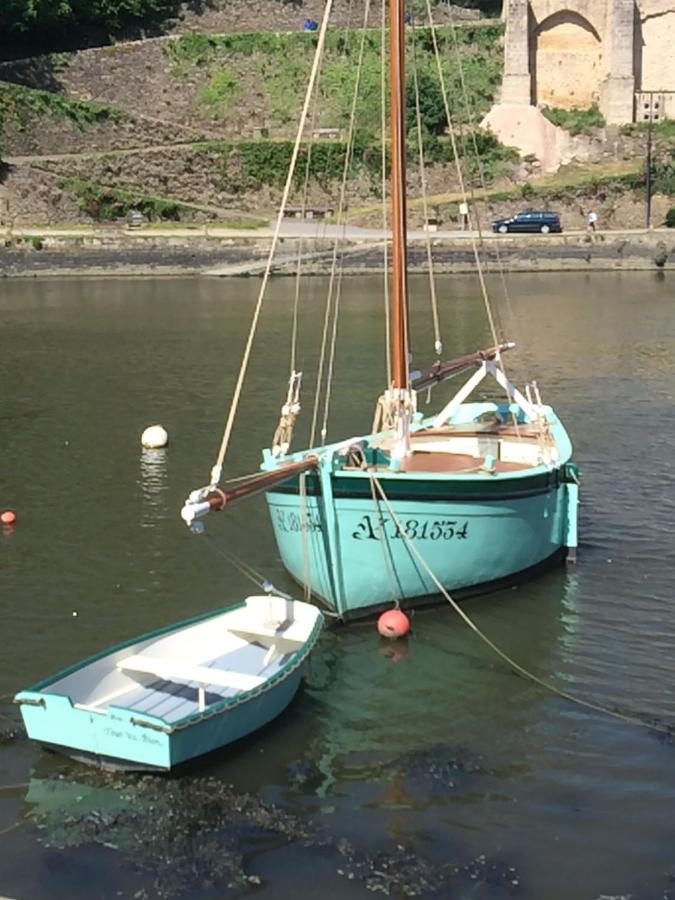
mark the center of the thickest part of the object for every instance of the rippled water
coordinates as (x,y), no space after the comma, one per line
(492,787)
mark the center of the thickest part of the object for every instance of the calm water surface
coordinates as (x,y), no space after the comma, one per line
(436,747)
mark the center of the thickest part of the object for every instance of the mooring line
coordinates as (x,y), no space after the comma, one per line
(256,577)
(631,718)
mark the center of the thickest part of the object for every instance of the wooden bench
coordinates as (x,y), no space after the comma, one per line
(326,133)
(291,633)
(170,670)
(310,212)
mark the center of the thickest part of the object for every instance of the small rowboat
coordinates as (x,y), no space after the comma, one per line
(174,694)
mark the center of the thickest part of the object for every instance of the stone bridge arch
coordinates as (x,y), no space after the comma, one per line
(566,60)
(572,53)
(593,12)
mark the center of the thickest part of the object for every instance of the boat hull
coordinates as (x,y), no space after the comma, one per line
(176,710)
(117,738)
(354,556)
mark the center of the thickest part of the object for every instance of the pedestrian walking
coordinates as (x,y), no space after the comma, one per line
(592,218)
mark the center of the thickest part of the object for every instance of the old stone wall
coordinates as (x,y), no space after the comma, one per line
(568,51)
(655,55)
(115,252)
(593,12)
(570,67)
(572,53)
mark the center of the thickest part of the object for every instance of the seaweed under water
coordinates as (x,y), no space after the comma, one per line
(196,833)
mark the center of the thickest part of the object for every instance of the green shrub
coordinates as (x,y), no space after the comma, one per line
(283,62)
(663,172)
(220,93)
(110,204)
(249,165)
(576,121)
(17,102)
(664,128)
(670,217)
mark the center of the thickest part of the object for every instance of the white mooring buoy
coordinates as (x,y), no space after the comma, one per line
(154,437)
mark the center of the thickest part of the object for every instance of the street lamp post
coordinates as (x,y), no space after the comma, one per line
(648,178)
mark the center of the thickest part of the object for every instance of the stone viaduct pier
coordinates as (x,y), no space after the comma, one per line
(618,54)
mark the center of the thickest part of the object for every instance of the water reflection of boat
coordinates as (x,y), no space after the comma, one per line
(180,692)
(367,708)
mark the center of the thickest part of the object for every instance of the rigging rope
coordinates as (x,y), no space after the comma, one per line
(236,562)
(304,531)
(481,170)
(301,243)
(460,175)
(631,718)
(476,253)
(383,132)
(331,289)
(386,549)
(483,183)
(438,344)
(254,576)
(217,468)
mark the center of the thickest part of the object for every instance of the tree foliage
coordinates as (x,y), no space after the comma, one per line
(576,121)
(30,26)
(489,7)
(37,25)
(432,109)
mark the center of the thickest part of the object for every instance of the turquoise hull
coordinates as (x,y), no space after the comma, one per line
(118,737)
(473,531)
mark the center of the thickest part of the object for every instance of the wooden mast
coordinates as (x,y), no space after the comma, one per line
(399,290)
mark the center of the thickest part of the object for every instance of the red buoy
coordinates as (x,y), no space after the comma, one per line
(8,517)
(393,624)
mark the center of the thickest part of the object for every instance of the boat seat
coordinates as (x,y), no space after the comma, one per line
(170,670)
(292,632)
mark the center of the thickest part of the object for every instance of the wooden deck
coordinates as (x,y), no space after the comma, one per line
(455,462)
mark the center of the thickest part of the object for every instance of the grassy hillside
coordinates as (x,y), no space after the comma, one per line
(235,100)
(267,73)
(201,126)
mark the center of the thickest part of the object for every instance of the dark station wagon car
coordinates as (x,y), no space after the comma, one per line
(542,222)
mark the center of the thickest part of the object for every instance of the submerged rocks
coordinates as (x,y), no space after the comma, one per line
(404,872)
(192,834)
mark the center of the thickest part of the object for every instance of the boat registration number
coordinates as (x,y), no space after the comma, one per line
(375,528)
(293,522)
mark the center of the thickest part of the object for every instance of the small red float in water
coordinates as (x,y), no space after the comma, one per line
(393,624)
(8,517)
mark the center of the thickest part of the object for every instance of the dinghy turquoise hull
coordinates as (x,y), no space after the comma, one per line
(178,693)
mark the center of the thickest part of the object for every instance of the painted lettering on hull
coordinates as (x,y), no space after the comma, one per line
(293,522)
(378,528)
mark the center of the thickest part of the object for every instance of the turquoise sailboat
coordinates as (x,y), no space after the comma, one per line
(476,496)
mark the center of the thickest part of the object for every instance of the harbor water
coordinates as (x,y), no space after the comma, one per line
(423,768)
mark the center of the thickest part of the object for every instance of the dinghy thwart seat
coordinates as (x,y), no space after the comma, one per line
(170,670)
(201,676)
